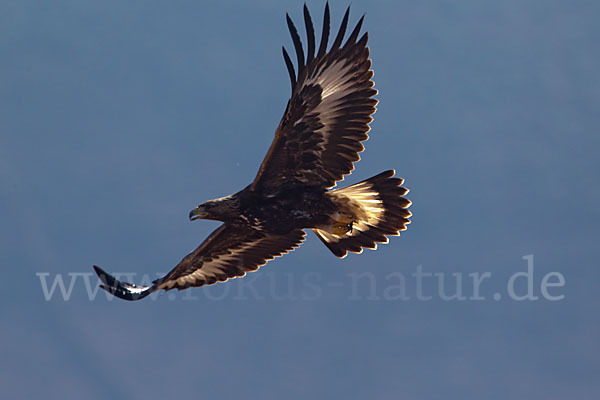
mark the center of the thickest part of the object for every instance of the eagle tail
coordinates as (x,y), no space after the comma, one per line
(367,213)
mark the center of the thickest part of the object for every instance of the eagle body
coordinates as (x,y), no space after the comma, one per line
(316,144)
(295,207)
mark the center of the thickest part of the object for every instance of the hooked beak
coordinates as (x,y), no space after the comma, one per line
(197,213)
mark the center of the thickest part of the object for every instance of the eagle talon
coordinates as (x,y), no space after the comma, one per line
(341,230)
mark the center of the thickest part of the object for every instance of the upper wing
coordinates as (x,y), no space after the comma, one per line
(328,114)
(229,252)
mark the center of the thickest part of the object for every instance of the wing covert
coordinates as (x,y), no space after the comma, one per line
(229,252)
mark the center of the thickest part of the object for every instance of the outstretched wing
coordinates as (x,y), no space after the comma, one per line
(328,114)
(229,252)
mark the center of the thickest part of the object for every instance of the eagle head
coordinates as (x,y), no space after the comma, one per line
(221,209)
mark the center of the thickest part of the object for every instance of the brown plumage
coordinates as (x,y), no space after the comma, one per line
(315,145)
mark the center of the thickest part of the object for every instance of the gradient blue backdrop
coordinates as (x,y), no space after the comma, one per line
(118,117)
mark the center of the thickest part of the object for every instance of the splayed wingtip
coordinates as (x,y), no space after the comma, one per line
(122,290)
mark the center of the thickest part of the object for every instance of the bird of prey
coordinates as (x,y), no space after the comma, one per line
(315,145)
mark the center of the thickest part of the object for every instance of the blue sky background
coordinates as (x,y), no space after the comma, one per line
(117,118)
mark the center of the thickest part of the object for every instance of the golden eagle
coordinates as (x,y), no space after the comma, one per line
(315,145)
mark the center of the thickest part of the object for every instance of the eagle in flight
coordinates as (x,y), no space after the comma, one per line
(315,145)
